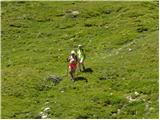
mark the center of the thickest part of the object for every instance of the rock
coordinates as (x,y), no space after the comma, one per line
(46,109)
(75,13)
(72,13)
(130,99)
(55,79)
(72,39)
(106,26)
(62,91)
(41,113)
(107,11)
(59,49)
(118,111)
(44,116)
(151,108)
(46,103)
(136,93)
(129,49)
(114,114)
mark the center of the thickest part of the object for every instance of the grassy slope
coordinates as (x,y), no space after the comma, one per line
(34,34)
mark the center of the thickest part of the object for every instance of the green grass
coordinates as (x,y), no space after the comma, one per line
(121,44)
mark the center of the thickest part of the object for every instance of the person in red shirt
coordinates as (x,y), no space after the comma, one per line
(72,59)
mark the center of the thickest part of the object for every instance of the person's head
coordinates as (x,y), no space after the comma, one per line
(73,52)
(79,46)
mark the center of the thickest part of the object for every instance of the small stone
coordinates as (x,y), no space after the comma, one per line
(59,49)
(44,117)
(62,91)
(114,114)
(151,108)
(130,99)
(72,39)
(136,93)
(41,113)
(106,27)
(75,13)
(129,49)
(149,102)
(46,103)
(118,111)
(46,109)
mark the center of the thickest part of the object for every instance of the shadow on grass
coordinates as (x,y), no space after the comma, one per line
(88,70)
(81,79)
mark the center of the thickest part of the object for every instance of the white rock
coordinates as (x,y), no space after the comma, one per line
(59,49)
(106,27)
(46,109)
(75,12)
(44,117)
(62,91)
(72,39)
(118,111)
(130,99)
(41,113)
(151,108)
(136,93)
(129,49)
(149,102)
(46,103)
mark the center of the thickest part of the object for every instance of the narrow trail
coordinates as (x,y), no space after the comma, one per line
(117,51)
(126,46)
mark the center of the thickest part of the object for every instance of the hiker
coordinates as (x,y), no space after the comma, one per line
(81,57)
(72,59)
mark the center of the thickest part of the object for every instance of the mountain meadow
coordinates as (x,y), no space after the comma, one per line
(120,40)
